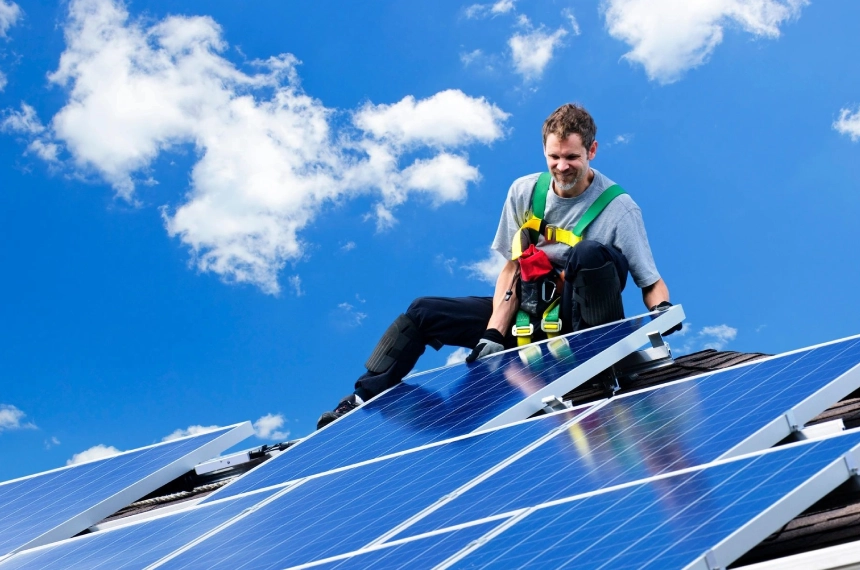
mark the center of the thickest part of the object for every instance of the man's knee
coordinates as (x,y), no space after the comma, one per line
(401,339)
(420,308)
(588,254)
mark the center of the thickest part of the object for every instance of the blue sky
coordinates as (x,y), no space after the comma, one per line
(210,211)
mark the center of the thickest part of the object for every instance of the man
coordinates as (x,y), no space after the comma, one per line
(594,270)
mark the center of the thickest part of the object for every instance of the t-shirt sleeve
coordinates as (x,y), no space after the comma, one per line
(631,239)
(508,224)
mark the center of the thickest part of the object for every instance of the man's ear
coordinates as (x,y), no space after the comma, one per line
(592,151)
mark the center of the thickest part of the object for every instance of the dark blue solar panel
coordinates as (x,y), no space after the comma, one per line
(344,511)
(647,433)
(32,506)
(136,545)
(424,552)
(432,407)
(662,524)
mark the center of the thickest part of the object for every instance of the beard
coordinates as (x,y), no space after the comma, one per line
(564,185)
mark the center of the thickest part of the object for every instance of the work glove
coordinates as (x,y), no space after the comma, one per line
(491,343)
(664,306)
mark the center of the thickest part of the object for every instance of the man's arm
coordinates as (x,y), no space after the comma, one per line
(503,311)
(655,294)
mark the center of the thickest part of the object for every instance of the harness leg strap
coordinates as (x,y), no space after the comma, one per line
(396,338)
(598,294)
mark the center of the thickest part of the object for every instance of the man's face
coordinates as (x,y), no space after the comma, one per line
(567,161)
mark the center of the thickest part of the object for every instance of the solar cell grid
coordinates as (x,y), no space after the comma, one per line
(58,504)
(423,552)
(671,522)
(445,403)
(133,546)
(642,434)
(344,511)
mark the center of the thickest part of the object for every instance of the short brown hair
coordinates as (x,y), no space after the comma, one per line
(570,119)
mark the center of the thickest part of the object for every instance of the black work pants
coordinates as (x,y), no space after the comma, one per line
(461,321)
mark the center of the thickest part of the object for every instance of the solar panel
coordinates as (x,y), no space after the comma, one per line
(671,427)
(135,545)
(459,399)
(422,552)
(57,504)
(342,511)
(706,517)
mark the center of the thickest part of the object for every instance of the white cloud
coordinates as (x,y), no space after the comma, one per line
(716,337)
(269,427)
(849,123)
(348,246)
(567,13)
(190,430)
(99,451)
(447,263)
(448,118)
(270,156)
(295,282)
(13,418)
(471,57)
(486,10)
(457,356)
(532,51)
(347,317)
(668,37)
(621,139)
(25,121)
(443,177)
(487,269)
(10,13)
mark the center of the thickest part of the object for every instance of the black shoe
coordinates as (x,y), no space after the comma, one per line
(345,406)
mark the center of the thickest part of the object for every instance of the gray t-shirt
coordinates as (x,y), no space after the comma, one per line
(619,225)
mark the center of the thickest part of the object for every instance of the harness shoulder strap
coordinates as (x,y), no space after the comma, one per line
(596,208)
(539,200)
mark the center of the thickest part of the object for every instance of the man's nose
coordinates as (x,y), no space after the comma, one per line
(562,165)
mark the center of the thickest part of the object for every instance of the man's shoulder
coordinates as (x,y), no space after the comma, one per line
(525,183)
(624,201)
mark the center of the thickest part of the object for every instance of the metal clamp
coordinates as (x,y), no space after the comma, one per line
(553,404)
(550,232)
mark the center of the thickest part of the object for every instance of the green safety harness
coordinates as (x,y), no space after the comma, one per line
(529,233)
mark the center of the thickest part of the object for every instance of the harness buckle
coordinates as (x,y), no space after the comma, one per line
(550,326)
(550,232)
(523,331)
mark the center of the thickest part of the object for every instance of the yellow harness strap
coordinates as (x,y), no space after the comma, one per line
(552,234)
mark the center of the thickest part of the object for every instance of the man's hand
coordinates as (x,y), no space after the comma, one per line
(664,306)
(493,341)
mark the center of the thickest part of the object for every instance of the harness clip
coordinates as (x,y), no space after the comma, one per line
(550,326)
(523,331)
(550,232)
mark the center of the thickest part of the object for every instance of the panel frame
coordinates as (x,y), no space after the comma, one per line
(797,416)
(132,492)
(758,442)
(746,537)
(780,513)
(591,367)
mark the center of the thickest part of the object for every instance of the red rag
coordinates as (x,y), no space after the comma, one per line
(534,264)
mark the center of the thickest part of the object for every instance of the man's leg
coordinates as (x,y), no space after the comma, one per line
(433,321)
(595,274)
(429,321)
